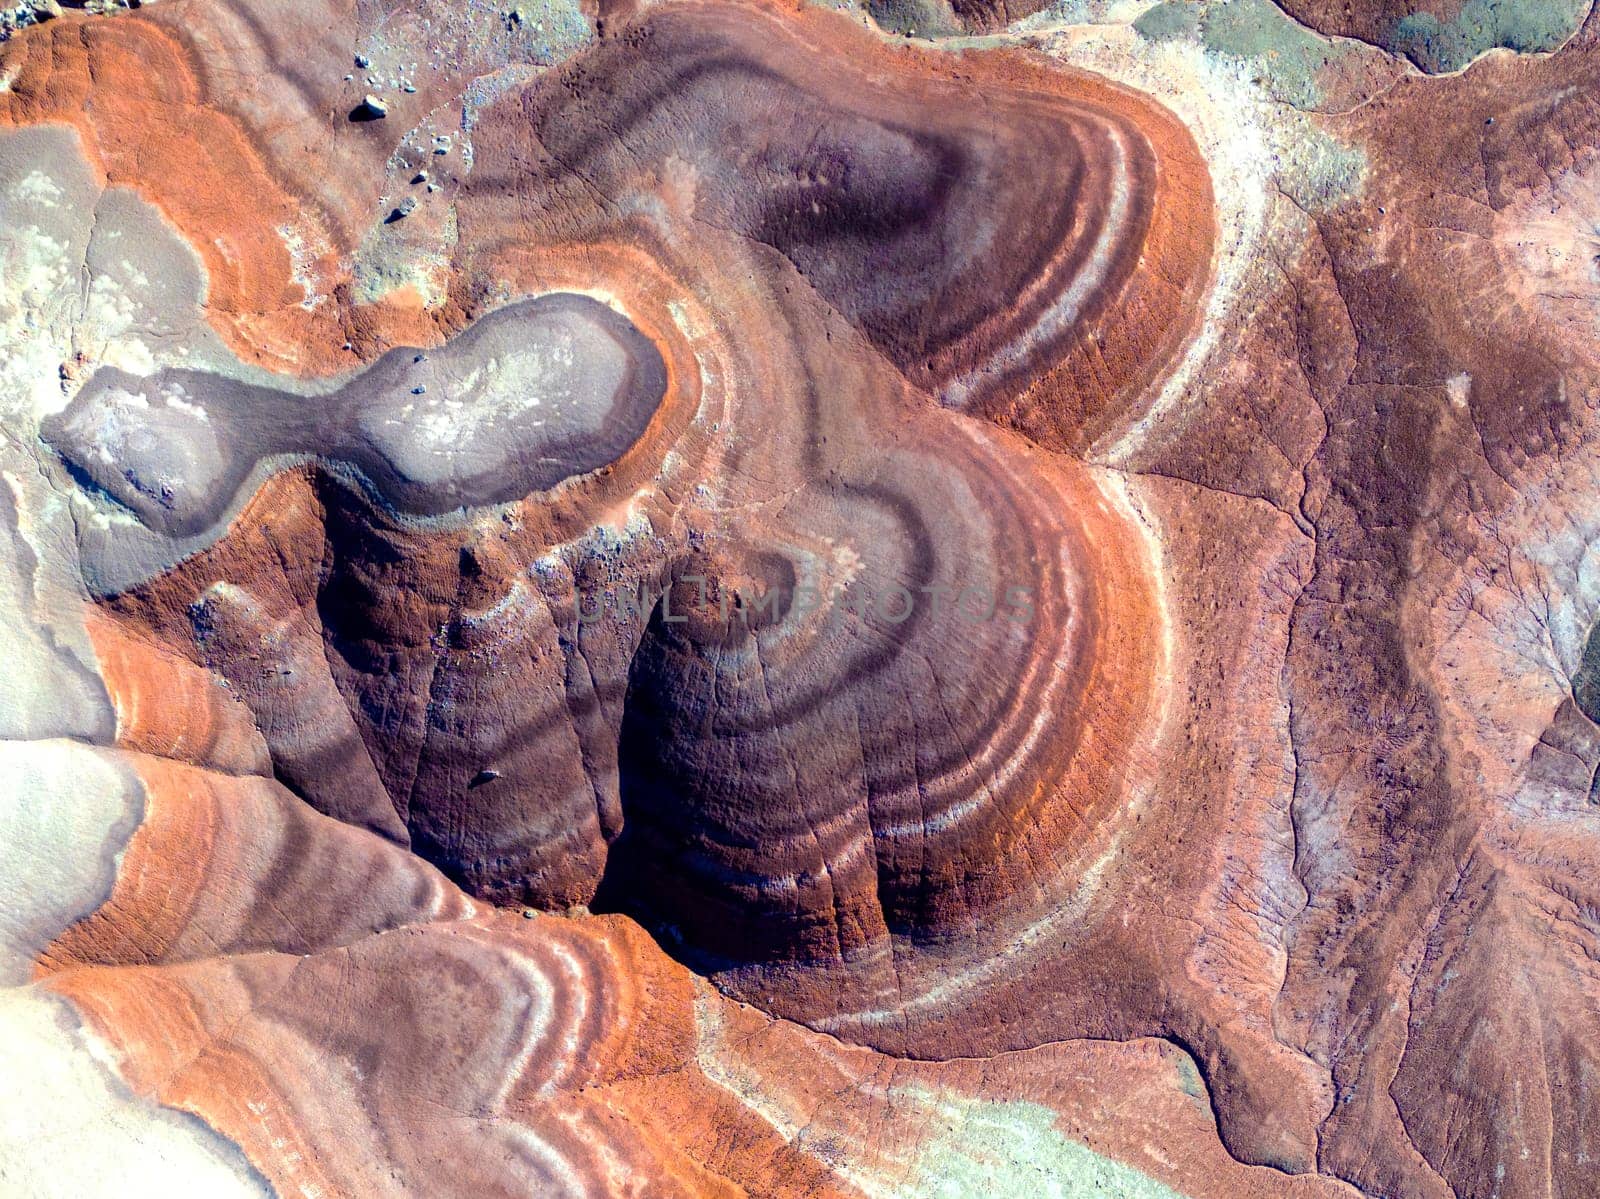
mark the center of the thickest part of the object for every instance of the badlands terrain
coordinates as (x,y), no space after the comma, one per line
(903,598)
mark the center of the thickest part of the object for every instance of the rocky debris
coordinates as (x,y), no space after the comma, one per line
(36,12)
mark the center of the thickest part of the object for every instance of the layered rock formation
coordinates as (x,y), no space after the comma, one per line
(699,598)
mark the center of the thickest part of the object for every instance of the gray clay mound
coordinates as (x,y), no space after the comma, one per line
(533,394)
